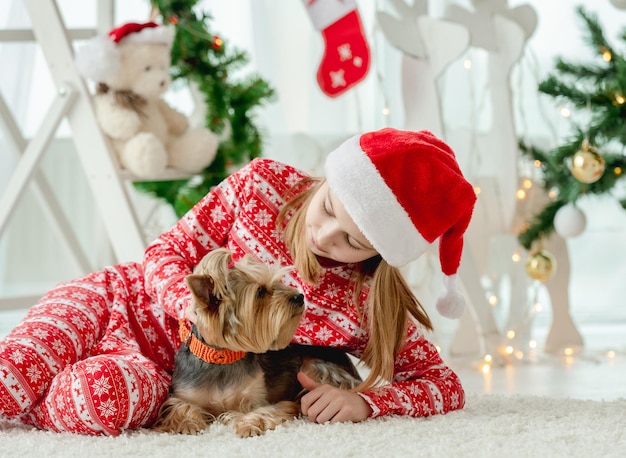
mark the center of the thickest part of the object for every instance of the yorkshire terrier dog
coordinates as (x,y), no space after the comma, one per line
(236,364)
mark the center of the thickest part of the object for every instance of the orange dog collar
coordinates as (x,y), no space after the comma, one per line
(204,351)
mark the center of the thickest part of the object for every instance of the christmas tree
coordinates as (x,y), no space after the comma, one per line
(205,59)
(592,160)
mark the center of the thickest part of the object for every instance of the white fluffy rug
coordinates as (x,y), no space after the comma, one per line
(488,426)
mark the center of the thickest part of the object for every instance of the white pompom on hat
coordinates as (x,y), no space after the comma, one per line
(404,190)
(99,57)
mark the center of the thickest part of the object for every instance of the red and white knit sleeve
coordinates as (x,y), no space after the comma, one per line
(423,385)
(173,255)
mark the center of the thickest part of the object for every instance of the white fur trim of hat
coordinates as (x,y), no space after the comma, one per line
(99,57)
(404,190)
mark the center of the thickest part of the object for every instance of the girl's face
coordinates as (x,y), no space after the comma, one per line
(330,231)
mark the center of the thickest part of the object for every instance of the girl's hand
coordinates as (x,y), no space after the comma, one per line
(325,403)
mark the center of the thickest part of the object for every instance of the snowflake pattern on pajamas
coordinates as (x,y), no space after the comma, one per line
(94,355)
(247,204)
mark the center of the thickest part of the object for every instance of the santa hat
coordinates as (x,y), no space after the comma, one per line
(99,58)
(404,190)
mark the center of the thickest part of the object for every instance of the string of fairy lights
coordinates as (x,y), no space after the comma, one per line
(510,349)
(587,165)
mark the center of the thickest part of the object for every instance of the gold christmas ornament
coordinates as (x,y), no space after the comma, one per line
(587,164)
(540,265)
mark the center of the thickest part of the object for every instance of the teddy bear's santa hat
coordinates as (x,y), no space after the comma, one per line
(99,58)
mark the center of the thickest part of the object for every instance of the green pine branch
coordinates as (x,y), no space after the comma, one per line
(595,35)
(541,225)
(201,57)
(595,89)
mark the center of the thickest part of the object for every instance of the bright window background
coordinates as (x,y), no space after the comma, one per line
(303,125)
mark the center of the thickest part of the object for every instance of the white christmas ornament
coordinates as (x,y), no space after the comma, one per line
(569,221)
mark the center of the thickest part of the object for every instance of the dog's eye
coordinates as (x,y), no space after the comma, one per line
(214,302)
(148,68)
(261,292)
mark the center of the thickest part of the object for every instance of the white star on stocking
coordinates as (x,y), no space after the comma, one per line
(344,51)
(338,78)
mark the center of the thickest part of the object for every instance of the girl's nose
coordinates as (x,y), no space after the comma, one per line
(326,234)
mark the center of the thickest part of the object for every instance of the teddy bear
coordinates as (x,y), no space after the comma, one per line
(130,67)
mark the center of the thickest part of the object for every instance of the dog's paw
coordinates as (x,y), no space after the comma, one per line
(181,426)
(244,424)
(244,429)
(190,427)
(178,416)
(255,424)
(261,419)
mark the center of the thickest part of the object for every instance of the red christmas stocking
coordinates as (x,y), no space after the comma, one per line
(346,57)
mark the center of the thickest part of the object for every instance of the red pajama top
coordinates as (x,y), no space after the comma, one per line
(240,214)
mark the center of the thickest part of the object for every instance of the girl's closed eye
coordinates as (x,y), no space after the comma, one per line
(325,208)
(329,213)
(350,244)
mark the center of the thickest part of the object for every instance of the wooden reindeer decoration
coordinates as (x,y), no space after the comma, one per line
(503,32)
(429,46)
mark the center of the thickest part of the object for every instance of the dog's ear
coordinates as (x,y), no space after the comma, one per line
(201,287)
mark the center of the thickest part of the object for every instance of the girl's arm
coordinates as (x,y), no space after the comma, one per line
(174,254)
(423,385)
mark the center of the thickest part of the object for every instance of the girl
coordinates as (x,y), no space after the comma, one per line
(95,355)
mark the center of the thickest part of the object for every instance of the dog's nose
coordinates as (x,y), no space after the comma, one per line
(297,299)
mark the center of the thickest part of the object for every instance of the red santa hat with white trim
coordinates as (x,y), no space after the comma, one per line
(404,190)
(100,58)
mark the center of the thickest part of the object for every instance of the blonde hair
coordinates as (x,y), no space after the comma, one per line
(390,303)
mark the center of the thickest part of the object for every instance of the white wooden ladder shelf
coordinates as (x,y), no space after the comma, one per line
(73,102)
